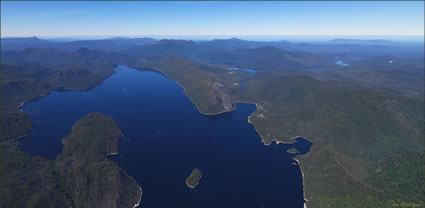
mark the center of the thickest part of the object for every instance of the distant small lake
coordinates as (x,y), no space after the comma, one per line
(165,137)
(244,71)
(248,71)
(341,63)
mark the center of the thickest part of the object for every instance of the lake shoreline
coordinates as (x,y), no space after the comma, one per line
(62,89)
(140,199)
(302,177)
(234,105)
(249,121)
(57,89)
(184,92)
(65,89)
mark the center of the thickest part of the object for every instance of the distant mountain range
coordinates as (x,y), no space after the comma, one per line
(363,42)
(377,47)
(265,57)
(399,66)
(113,44)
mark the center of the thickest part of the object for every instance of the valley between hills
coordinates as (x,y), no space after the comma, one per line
(365,121)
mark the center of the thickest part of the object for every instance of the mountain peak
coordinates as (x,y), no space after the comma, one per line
(175,42)
(235,39)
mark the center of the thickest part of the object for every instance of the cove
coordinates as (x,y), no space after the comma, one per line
(165,137)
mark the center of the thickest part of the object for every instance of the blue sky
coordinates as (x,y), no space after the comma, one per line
(189,18)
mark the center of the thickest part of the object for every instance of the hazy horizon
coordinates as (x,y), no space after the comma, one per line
(213,19)
(293,38)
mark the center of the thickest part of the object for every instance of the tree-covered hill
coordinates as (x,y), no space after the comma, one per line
(81,176)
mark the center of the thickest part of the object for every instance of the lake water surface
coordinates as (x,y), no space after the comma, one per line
(341,63)
(165,137)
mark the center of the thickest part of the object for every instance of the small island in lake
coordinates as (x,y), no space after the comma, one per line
(292,150)
(193,180)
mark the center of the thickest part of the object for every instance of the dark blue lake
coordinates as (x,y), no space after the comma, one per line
(165,137)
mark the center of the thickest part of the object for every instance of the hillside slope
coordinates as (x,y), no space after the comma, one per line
(358,135)
(81,176)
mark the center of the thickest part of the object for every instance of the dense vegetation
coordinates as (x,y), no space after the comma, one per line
(25,78)
(84,173)
(352,127)
(264,58)
(401,173)
(81,176)
(382,71)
